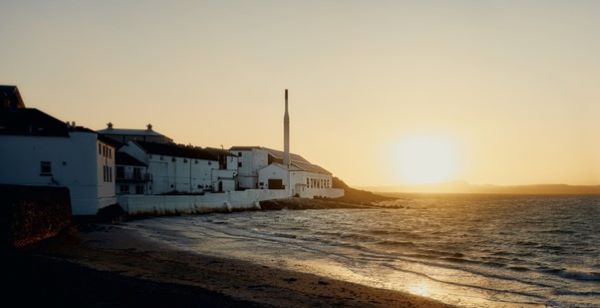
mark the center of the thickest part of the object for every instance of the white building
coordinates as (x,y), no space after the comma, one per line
(180,169)
(264,168)
(132,175)
(38,149)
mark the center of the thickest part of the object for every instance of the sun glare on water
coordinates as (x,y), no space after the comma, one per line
(422,160)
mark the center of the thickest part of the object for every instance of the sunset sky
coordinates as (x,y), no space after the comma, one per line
(381,92)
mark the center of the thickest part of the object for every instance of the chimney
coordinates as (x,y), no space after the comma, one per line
(109,125)
(286,133)
(149,126)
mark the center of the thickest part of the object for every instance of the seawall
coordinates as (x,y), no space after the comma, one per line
(212,202)
(31,213)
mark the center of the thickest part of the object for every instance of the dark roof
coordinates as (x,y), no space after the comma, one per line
(276,156)
(130,132)
(177,150)
(31,122)
(10,98)
(122,158)
(220,152)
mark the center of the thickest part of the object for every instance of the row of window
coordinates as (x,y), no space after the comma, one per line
(136,175)
(317,183)
(104,150)
(107,174)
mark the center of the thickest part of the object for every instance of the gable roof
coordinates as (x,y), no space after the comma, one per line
(31,122)
(122,158)
(276,156)
(177,150)
(10,98)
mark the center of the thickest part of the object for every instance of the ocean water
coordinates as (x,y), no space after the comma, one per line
(472,251)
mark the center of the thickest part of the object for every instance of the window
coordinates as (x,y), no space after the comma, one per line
(185,161)
(99,149)
(107,174)
(137,173)
(45,168)
(240,154)
(139,189)
(124,189)
(121,172)
(239,164)
(173,160)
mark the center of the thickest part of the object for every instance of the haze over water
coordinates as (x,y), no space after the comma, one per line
(463,249)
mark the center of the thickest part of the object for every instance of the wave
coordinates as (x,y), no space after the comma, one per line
(579,276)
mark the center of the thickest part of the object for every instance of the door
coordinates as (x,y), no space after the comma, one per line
(276,184)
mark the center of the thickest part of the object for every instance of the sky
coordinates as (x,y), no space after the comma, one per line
(381,92)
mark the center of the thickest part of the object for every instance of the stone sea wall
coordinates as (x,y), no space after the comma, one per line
(30,213)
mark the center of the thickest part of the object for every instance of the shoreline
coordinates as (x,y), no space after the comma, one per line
(112,260)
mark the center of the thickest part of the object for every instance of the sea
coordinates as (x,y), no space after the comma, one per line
(466,250)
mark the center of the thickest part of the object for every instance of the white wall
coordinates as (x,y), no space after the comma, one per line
(273,171)
(74,161)
(129,180)
(181,174)
(252,161)
(106,188)
(302,180)
(226,178)
(210,202)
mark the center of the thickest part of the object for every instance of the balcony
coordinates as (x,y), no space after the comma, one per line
(134,178)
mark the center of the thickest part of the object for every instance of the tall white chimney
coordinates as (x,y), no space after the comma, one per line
(286,133)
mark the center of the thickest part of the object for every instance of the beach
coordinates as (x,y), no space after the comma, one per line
(111,266)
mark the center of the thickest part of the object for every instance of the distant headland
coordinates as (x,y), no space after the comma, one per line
(462,187)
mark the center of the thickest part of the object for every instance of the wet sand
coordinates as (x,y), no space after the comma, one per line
(109,266)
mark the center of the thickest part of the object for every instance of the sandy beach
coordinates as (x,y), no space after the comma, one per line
(110,266)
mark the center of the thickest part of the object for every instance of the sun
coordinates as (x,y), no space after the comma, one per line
(423,160)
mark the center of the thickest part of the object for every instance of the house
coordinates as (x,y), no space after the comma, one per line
(263,168)
(132,175)
(40,150)
(123,135)
(182,169)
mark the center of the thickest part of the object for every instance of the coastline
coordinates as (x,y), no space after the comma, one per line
(114,266)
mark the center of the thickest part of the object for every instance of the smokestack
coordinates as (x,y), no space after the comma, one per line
(286,133)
